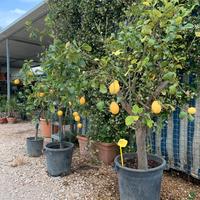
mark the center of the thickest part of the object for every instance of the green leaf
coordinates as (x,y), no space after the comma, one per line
(87,47)
(182,115)
(52,108)
(172,89)
(190,118)
(131,119)
(103,89)
(170,76)
(100,105)
(149,123)
(136,109)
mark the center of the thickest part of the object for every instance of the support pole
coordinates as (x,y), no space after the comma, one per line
(8,69)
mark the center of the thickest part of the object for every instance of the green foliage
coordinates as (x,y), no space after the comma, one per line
(86,21)
(147,56)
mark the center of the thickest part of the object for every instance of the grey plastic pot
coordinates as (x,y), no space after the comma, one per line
(59,159)
(135,184)
(34,147)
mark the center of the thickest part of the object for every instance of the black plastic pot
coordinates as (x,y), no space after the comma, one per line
(59,159)
(34,147)
(135,184)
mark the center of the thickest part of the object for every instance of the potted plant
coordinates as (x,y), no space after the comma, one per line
(59,153)
(11,107)
(3,118)
(144,61)
(34,145)
(82,135)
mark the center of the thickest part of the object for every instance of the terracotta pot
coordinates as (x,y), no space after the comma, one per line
(107,152)
(83,143)
(46,128)
(3,120)
(11,120)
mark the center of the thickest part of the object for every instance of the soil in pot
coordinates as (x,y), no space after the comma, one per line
(136,184)
(59,159)
(34,147)
(46,128)
(83,145)
(107,152)
(11,120)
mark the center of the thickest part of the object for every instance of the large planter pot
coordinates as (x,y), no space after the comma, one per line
(34,147)
(135,184)
(59,159)
(3,120)
(46,128)
(107,152)
(11,120)
(83,144)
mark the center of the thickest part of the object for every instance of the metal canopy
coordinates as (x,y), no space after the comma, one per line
(21,47)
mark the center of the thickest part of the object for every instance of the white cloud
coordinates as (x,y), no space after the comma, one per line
(7,17)
(18,11)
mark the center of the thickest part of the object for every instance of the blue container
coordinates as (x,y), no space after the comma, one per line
(59,159)
(135,184)
(34,147)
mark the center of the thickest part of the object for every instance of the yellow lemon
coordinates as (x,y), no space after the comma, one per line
(82,100)
(75,114)
(60,113)
(114,108)
(197,34)
(79,125)
(30,73)
(77,118)
(41,94)
(16,81)
(156,107)
(114,87)
(192,110)
(122,143)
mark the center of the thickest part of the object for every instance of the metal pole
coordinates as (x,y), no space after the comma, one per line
(8,69)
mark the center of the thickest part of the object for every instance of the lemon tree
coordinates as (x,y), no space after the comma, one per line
(150,58)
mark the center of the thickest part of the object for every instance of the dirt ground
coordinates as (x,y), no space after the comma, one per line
(25,178)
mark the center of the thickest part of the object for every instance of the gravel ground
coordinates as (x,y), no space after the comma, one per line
(25,178)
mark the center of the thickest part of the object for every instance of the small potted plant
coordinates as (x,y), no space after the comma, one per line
(59,153)
(35,144)
(11,107)
(3,118)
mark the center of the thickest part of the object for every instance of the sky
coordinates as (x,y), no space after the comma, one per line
(10,10)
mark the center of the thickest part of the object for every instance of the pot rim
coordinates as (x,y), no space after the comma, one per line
(161,166)
(70,145)
(108,144)
(33,138)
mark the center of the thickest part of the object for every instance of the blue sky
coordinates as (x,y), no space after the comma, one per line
(10,10)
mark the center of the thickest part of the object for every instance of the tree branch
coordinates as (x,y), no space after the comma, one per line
(157,92)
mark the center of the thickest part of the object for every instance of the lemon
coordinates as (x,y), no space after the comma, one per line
(156,107)
(82,100)
(16,81)
(30,73)
(114,108)
(192,110)
(60,113)
(77,118)
(41,94)
(114,87)
(75,114)
(79,125)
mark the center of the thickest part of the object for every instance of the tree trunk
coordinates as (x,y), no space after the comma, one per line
(141,133)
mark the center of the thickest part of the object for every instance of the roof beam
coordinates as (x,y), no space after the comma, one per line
(25,41)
